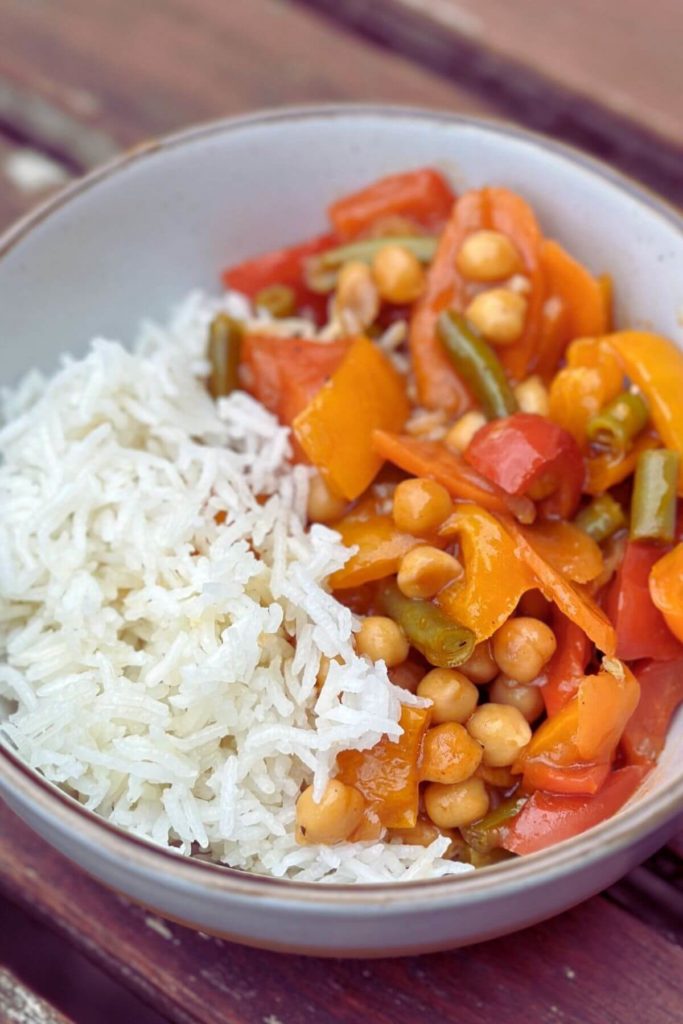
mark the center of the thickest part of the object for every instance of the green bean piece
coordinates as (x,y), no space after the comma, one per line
(619,422)
(278,299)
(484,835)
(653,505)
(478,365)
(603,517)
(321,271)
(422,246)
(444,643)
(225,343)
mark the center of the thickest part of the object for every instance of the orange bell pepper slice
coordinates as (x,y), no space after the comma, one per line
(567,548)
(388,775)
(582,736)
(433,459)
(575,603)
(423,195)
(495,578)
(335,429)
(579,293)
(666,589)
(606,702)
(380,550)
(655,365)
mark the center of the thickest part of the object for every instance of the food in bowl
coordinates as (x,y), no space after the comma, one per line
(367,570)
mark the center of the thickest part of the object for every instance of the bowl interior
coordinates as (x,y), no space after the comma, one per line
(133,239)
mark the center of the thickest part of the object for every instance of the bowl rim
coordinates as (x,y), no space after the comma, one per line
(550,865)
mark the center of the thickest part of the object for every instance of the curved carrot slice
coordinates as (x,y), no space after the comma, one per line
(433,459)
(512,216)
(575,603)
(438,385)
(581,295)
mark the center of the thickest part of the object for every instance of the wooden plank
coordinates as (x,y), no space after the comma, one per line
(605,77)
(19,1005)
(593,965)
(621,53)
(127,70)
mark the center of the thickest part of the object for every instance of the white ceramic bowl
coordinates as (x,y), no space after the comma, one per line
(132,239)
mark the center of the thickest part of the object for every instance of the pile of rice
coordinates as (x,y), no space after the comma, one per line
(157,663)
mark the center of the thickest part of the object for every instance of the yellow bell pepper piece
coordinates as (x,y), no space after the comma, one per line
(495,578)
(655,365)
(365,393)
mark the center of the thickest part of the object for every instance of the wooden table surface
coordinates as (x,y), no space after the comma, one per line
(82,79)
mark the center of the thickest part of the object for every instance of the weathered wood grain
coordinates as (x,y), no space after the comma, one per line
(623,55)
(603,76)
(593,965)
(80,80)
(128,70)
(18,1005)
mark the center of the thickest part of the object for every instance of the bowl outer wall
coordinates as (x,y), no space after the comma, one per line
(131,240)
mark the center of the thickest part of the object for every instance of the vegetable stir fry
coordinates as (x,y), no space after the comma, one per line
(505,469)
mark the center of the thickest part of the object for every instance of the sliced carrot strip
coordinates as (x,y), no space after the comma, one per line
(433,459)
(574,602)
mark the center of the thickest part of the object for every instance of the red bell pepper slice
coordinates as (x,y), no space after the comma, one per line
(433,459)
(567,666)
(661,691)
(283,266)
(526,454)
(547,819)
(285,374)
(423,195)
(639,625)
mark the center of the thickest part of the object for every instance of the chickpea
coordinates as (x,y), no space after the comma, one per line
(332,820)
(398,274)
(356,301)
(522,646)
(449,754)
(535,605)
(480,667)
(381,639)
(532,396)
(323,506)
(527,699)
(425,571)
(498,314)
(502,731)
(453,806)
(453,696)
(420,505)
(424,832)
(488,256)
(463,430)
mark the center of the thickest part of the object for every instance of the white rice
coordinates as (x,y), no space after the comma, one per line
(146,655)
